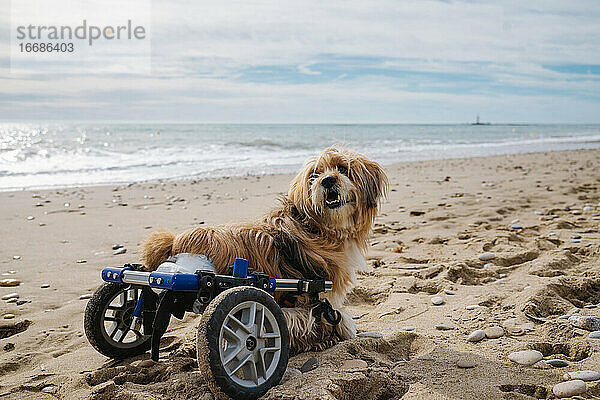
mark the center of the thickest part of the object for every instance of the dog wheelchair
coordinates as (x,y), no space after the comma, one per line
(243,342)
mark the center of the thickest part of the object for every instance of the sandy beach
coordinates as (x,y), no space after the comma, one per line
(506,241)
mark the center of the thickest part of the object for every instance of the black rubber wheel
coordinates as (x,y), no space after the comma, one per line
(243,343)
(108,322)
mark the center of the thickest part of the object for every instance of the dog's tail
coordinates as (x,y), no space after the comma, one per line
(156,249)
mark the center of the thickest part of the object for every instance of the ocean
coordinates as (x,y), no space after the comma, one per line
(46,155)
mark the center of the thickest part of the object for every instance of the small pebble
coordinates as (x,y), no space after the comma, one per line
(289,374)
(472,306)
(49,389)
(81,261)
(514,221)
(590,306)
(437,300)
(494,332)
(594,335)
(10,296)
(444,327)
(569,388)
(487,256)
(16,257)
(576,237)
(488,265)
(373,335)
(122,250)
(30,218)
(557,362)
(585,322)
(449,292)
(309,365)
(476,336)
(465,363)
(575,241)
(408,328)
(45,285)
(583,375)
(21,302)
(354,364)
(576,212)
(13,300)
(516,226)
(588,208)
(85,296)
(525,357)
(8,282)
(9,316)
(116,246)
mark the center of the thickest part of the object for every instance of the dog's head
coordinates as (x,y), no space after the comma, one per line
(340,191)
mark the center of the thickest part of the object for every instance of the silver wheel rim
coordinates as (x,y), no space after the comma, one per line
(118,325)
(250,344)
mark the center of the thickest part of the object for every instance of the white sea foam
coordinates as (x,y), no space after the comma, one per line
(55,155)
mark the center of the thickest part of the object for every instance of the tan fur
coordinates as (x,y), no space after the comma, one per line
(299,238)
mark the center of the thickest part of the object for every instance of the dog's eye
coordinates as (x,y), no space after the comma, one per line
(342,169)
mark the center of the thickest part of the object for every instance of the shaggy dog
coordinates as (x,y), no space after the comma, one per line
(319,230)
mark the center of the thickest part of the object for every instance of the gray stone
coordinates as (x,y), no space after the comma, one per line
(9,316)
(437,300)
(575,236)
(488,265)
(449,292)
(30,218)
(585,322)
(21,302)
(465,363)
(116,246)
(374,335)
(476,336)
(85,296)
(472,307)
(588,208)
(557,362)
(8,296)
(494,332)
(569,388)
(408,328)
(594,335)
(289,374)
(586,375)
(122,250)
(81,261)
(516,226)
(309,365)
(45,285)
(487,256)
(525,357)
(444,327)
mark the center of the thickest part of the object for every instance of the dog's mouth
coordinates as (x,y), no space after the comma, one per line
(333,199)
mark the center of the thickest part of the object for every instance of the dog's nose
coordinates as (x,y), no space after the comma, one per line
(328,182)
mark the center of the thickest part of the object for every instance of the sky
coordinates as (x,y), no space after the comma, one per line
(329,61)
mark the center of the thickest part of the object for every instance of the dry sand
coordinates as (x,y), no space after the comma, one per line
(439,217)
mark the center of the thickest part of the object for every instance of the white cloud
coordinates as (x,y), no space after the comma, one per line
(202,50)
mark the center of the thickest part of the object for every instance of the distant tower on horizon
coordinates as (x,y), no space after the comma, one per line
(478,122)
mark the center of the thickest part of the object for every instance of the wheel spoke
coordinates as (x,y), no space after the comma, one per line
(252,317)
(109,318)
(234,353)
(241,364)
(238,323)
(229,333)
(260,324)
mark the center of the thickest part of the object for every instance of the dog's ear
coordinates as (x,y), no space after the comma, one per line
(375,183)
(299,192)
